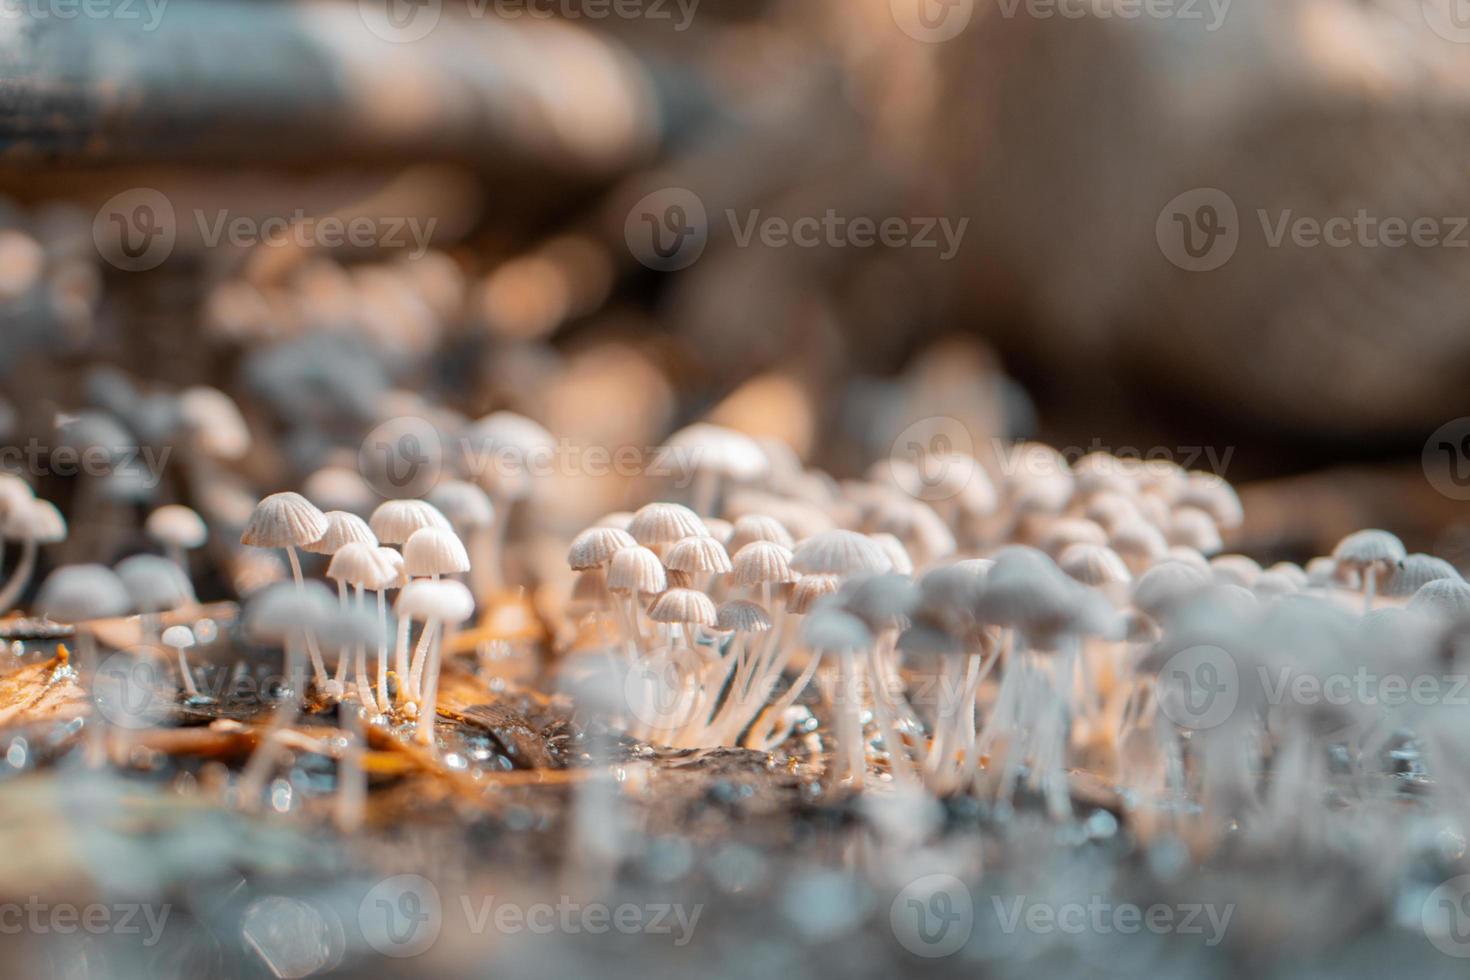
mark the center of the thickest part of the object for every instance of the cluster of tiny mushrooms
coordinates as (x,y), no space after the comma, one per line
(1012,630)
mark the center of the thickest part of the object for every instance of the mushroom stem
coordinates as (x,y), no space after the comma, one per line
(364,688)
(400,657)
(184,672)
(319,668)
(706,487)
(1370,587)
(340,676)
(177,555)
(428,711)
(22,574)
(351,776)
(481,546)
(383,704)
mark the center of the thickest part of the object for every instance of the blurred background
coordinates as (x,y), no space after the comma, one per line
(1224,232)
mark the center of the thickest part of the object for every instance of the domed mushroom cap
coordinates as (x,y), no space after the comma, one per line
(596,547)
(1194,528)
(808,589)
(898,556)
(700,554)
(664,523)
(683,606)
(762,561)
(176,525)
(357,563)
(395,521)
(1109,509)
(1138,540)
(342,529)
(1371,547)
(13,492)
(1238,570)
(434,551)
(282,610)
(952,591)
(881,601)
(713,448)
(1167,584)
(339,488)
(1093,564)
(500,450)
(1272,584)
(758,527)
(1067,531)
(77,593)
(1211,494)
(447,601)
(466,505)
(394,576)
(33,519)
(742,616)
(1028,591)
(636,569)
(830,629)
(1446,597)
(839,552)
(719,529)
(154,584)
(349,626)
(1416,571)
(179,637)
(284,520)
(214,422)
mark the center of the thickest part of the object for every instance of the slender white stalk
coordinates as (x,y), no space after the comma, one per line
(429,710)
(22,574)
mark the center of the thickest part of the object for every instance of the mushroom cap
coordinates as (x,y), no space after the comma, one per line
(758,527)
(810,588)
(700,554)
(466,505)
(880,601)
(898,555)
(446,600)
(176,525)
(840,552)
(636,569)
(285,609)
(1270,584)
(1110,509)
(1416,571)
(343,529)
(1094,564)
(1446,597)
(763,561)
(394,576)
(434,551)
(77,593)
(596,546)
(1194,528)
(719,529)
(395,521)
(178,636)
(339,488)
(34,519)
(1293,571)
(664,523)
(683,606)
(497,451)
(1137,539)
(357,563)
(13,492)
(1369,547)
(1067,531)
(743,616)
(1240,570)
(713,448)
(215,422)
(1213,495)
(1165,585)
(1028,591)
(831,629)
(284,520)
(154,583)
